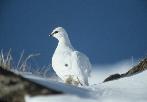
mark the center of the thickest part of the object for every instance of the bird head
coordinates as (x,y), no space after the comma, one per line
(59,33)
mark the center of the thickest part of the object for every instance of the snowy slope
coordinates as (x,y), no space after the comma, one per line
(129,89)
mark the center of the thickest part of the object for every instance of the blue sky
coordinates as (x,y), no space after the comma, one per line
(107,31)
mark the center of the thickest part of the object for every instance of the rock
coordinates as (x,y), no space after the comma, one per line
(13,88)
(114,77)
(140,67)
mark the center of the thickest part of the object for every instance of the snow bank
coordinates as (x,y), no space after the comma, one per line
(129,89)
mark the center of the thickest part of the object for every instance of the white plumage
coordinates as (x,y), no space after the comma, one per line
(72,66)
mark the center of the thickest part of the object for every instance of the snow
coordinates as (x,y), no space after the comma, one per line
(129,89)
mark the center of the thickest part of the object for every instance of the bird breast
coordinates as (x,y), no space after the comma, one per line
(61,63)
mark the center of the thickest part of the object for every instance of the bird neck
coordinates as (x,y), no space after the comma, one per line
(64,42)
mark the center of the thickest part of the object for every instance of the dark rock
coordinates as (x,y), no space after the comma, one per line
(140,67)
(13,88)
(112,77)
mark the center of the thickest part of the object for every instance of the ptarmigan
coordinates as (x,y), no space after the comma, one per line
(72,66)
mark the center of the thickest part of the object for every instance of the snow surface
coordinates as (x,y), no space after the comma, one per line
(129,89)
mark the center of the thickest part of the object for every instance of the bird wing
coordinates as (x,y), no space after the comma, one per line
(81,66)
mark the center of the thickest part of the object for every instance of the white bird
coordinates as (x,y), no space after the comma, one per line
(72,66)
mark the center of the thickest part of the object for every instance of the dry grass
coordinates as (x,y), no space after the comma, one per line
(23,65)
(6,60)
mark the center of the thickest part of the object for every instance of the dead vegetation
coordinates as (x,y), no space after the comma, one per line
(6,60)
(23,65)
(13,87)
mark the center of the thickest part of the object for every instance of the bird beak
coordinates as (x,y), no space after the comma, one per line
(51,34)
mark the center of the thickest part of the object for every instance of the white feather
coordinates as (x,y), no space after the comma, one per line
(71,66)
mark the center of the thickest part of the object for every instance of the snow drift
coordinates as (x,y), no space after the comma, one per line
(128,89)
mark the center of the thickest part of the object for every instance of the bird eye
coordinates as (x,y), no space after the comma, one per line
(56,32)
